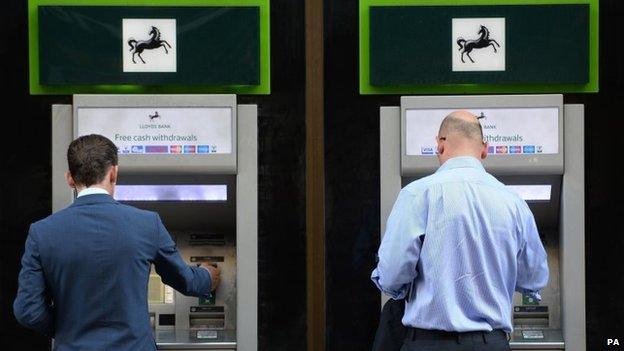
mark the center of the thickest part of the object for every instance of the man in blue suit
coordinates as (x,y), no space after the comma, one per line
(85,269)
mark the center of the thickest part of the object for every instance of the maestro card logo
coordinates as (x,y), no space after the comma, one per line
(478,44)
(149,45)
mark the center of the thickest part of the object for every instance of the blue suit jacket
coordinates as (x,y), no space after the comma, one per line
(85,271)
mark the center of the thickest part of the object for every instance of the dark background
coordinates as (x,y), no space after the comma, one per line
(352,181)
(25,184)
(352,185)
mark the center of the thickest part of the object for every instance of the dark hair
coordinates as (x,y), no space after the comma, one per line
(90,157)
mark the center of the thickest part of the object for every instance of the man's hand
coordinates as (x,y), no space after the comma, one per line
(215,274)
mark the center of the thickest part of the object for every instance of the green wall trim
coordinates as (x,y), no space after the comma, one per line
(265,50)
(367,88)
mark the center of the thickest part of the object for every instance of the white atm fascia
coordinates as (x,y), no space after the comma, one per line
(533,164)
(212,163)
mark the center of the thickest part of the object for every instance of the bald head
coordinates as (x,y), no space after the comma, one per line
(461,135)
(462,126)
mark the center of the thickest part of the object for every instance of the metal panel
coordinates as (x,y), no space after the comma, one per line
(62,194)
(572,216)
(573,231)
(531,165)
(389,165)
(247,229)
(213,164)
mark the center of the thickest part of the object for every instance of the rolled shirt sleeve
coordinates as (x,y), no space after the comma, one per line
(188,280)
(532,260)
(400,248)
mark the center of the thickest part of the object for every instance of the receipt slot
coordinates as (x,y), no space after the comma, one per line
(192,159)
(536,148)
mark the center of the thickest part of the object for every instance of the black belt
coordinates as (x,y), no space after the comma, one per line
(460,337)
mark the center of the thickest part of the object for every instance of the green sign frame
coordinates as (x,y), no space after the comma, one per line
(367,89)
(265,51)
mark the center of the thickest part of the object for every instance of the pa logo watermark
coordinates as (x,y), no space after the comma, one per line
(613,342)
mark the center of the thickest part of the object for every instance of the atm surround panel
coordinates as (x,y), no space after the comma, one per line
(204,231)
(242,163)
(569,222)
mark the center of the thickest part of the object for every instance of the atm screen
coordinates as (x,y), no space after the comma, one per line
(508,131)
(212,192)
(532,192)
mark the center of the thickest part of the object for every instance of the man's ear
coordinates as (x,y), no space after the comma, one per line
(440,147)
(70,180)
(113,174)
(484,151)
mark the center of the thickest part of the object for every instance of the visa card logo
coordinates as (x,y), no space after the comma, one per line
(189,149)
(175,149)
(124,149)
(515,149)
(137,149)
(203,149)
(528,149)
(501,149)
(491,149)
(427,151)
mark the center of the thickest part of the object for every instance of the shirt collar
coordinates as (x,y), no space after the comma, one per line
(92,191)
(461,162)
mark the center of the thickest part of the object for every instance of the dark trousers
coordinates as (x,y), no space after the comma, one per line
(433,340)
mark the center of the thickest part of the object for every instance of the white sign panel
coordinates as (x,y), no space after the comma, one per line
(170,131)
(508,131)
(478,44)
(149,45)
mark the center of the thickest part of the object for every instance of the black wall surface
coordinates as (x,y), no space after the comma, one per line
(352,185)
(25,189)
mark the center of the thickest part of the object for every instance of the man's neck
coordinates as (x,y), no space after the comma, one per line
(460,155)
(95,186)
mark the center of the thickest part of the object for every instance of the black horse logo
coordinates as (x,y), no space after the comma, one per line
(466,46)
(154,116)
(154,42)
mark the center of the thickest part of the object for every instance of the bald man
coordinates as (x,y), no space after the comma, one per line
(457,245)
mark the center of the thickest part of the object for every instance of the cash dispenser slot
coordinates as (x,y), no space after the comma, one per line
(207,317)
(531,317)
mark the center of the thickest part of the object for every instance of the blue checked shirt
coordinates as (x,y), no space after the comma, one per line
(457,245)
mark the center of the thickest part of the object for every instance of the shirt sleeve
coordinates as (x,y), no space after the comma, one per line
(400,248)
(33,307)
(532,260)
(188,280)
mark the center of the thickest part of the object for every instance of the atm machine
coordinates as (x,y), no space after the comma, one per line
(192,159)
(536,148)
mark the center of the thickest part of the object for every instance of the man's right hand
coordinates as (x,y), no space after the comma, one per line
(215,274)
